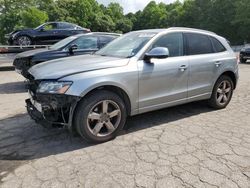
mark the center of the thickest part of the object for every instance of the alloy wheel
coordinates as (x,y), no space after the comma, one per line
(104,118)
(224,92)
(24,41)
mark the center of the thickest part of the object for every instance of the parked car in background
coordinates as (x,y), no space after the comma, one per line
(245,54)
(139,72)
(47,33)
(75,45)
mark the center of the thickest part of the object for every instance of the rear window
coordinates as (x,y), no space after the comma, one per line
(66,26)
(218,47)
(198,44)
(103,40)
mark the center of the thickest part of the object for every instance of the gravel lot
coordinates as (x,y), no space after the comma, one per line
(185,146)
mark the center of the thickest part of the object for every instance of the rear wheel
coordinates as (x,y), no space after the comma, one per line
(222,92)
(100,116)
(23,41)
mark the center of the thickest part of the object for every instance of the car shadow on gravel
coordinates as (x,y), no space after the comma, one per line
(23,139)
(13,87)
(165,116)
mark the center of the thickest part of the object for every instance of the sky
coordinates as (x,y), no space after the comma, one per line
(132,5)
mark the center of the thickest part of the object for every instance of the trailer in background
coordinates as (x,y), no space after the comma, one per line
(18,49)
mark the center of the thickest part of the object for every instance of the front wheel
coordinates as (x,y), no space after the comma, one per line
(222,92)
(100,116)
(23,41)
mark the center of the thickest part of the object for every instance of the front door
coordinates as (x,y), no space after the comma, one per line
(163,82)
(48,34)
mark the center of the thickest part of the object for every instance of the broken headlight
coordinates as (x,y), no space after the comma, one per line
(57,87)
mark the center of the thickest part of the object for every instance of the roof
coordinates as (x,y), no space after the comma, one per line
(98,33)
(181,29)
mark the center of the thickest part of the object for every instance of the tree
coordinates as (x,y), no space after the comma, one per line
(124,25)
(242,20)
(32,17)
(10,15)
(101,22)
(153,16)
(115,11)
(228,18)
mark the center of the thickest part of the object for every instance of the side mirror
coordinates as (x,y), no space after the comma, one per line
(72,48)
(158,53)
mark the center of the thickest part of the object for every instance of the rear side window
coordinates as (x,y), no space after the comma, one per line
(218,47)
(66,26)
(103,40)
(198,44)
(86,42)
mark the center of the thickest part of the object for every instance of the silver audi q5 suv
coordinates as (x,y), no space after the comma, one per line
(138,72)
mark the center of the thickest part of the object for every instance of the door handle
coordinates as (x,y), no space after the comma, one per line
(217,63)
(183,68)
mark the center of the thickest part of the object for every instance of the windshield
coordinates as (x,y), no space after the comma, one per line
(62,43)
(127,45)
(40,26)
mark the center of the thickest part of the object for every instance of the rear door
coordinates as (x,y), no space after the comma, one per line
(204,64)
(65,30)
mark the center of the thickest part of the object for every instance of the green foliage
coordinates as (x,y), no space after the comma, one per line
(242,19)
(228,18)
(32,17)
(101,22)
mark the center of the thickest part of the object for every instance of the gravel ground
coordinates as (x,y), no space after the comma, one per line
(185,146)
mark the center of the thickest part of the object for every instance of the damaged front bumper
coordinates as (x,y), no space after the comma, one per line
(52,110)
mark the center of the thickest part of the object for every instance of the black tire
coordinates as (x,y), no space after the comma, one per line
(87,104)
(215,97)
(19,42)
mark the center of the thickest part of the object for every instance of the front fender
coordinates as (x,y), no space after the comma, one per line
(21,33)
(122,77)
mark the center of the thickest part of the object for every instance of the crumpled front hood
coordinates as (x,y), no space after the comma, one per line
(60,68)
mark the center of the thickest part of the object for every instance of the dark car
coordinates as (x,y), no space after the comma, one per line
(48,33)
(73,45)
(245,54)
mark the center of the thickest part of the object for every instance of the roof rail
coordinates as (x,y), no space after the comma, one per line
(191,29)
(106,33)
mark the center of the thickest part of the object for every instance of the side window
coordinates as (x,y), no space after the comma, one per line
(198,44)
(103,40)
(86,42)
(50,26)
(172,41)
(66,26)
(218,47)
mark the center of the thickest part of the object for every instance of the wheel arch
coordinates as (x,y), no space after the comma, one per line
(232,75)
(115,89)
(24,34)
